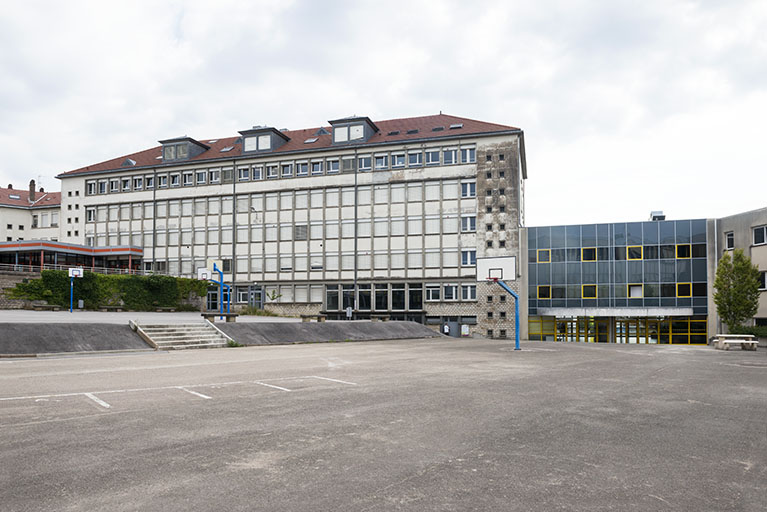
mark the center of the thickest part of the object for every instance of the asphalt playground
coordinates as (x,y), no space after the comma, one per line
(440,424)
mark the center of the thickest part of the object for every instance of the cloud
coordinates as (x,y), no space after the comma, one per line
(626,107)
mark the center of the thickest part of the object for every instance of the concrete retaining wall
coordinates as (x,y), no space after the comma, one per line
(18,338)
(265,333)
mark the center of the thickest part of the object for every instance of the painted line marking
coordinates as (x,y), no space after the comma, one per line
(92,394)
(195,393)
(271,386)
(97,400)
(334,380)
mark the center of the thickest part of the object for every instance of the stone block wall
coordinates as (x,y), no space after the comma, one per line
(10,280)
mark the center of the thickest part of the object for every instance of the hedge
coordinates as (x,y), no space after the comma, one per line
(139,293)
(760,331)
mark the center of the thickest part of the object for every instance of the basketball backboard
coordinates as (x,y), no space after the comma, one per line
(211,261)
(76,272)
(204,274)
(499,268)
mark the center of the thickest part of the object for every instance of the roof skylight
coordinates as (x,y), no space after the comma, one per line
(438,128)
(456,126)
(14,196)
(227,149)
(394,132)
(311,140)
(410,132)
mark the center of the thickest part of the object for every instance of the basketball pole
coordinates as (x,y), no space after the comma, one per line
(516,311)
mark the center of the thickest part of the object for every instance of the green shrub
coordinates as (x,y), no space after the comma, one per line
(139,293)
(759,331)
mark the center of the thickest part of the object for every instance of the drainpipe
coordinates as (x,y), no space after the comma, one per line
(234,223)
(356,172)
(154,217)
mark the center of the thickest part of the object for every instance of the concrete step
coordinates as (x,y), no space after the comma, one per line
(190,345)
(186,339)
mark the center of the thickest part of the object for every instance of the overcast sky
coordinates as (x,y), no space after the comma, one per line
(627,107)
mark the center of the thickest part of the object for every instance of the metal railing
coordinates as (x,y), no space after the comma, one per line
(35,269)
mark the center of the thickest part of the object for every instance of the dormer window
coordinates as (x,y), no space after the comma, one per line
(352,129)
(181,148)
(262,138)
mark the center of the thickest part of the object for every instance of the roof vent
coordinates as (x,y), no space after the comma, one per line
(657,215)
(129,162)
(311,140)
(393,132)
(456,126)
(212,141)
(322,131)
(438,128)
(411,132)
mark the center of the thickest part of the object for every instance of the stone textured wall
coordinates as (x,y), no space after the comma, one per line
(9,280)
(293,309)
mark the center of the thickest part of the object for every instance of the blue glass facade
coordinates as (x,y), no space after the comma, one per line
(654,264)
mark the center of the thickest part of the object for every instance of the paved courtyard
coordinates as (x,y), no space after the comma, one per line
(448,424)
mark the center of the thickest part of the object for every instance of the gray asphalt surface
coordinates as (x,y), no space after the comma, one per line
(109,317)
(446,424)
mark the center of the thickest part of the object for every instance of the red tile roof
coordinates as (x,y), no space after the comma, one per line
(42,199)
(424,125)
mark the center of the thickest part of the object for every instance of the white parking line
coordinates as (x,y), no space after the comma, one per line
(195,393)
(334,380)
(270,385)
(97,400)
(92,394)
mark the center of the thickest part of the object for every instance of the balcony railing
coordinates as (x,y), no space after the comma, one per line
(35,269)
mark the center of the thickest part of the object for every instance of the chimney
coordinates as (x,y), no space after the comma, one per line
(31,191)
(10,186)
(42,190)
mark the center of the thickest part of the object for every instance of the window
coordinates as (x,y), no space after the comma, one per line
(588,254)
(489,333)
(634,252)
(502,243)
(415,159)
(501,191)
(287,170)
(450,156)
(302,169)
(214,176)
(382,162)
(102,187)
(332,167)
(451,292)
(762,283)
(683,251)
(589,291)
(175,180)
(364,163)
(634,291)
(488,227)
(729,240)
(432,292)
(258,172)
(398,161)
(469,292)
(501,209)
(500,157)
(149,182)
(760,235)
(468,224)
(469,189)
(432,157)
(490,315)
(114,185)
(544,291)
(243,174)
(138,183)
(544,255)
(90,188)
(468,155)
(271,172)
(468,258)
(316,168)
(683,290)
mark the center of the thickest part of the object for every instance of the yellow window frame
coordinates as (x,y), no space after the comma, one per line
(583,287)
(628,290)
(683,296)
(544,286)
(538,255)
(628,252)
(585,248)
(689,251)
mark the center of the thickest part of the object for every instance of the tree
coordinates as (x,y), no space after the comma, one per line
(737,289)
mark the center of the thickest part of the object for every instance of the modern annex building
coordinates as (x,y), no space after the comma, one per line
(635,282)
(386,217)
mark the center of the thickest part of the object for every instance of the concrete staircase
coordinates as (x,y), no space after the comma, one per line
(182,336)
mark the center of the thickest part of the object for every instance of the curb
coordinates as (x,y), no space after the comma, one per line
(81,353)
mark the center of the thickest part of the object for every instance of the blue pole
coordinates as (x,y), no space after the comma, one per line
(71,292)
(220,292)
(516,312)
